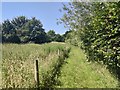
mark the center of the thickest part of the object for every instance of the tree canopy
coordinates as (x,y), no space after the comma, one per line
(24,30)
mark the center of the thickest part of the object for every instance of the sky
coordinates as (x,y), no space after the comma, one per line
(46,12)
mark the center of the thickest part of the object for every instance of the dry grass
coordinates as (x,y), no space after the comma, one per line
(18,63)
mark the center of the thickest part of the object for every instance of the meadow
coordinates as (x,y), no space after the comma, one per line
(18,64)
(60,66)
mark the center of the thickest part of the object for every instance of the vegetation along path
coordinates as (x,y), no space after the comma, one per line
(78,73)
(60,65)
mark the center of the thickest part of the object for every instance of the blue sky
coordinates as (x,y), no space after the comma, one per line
(46,12)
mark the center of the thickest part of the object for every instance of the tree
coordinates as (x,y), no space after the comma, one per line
(59,38)
(19,22)
(35,30)
(98,24)
(0,33)
(13,39)
(72,37)
(24,30)
(8,32)
(55,37)
(51,35)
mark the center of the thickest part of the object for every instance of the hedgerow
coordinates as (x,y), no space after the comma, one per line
(98,24)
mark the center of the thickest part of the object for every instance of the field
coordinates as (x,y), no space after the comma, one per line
(18,64)
(60,65)
(0,65)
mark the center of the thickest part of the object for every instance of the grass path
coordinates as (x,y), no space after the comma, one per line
(78,73)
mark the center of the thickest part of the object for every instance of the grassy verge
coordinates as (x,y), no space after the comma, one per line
(78,73)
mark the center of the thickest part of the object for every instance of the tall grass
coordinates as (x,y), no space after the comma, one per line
(0,66)
(18,63)
(60,65)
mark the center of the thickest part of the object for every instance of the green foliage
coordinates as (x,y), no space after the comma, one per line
(24,29)
(98,24)
(70,39)
(55,37)
(59,38)
(51,34)
(27,30)
(107,31)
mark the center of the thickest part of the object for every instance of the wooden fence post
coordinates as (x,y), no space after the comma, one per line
(36,74)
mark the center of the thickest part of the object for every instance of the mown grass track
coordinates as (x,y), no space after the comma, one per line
(78,73)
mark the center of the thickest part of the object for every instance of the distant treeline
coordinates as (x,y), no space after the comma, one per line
(24,30)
